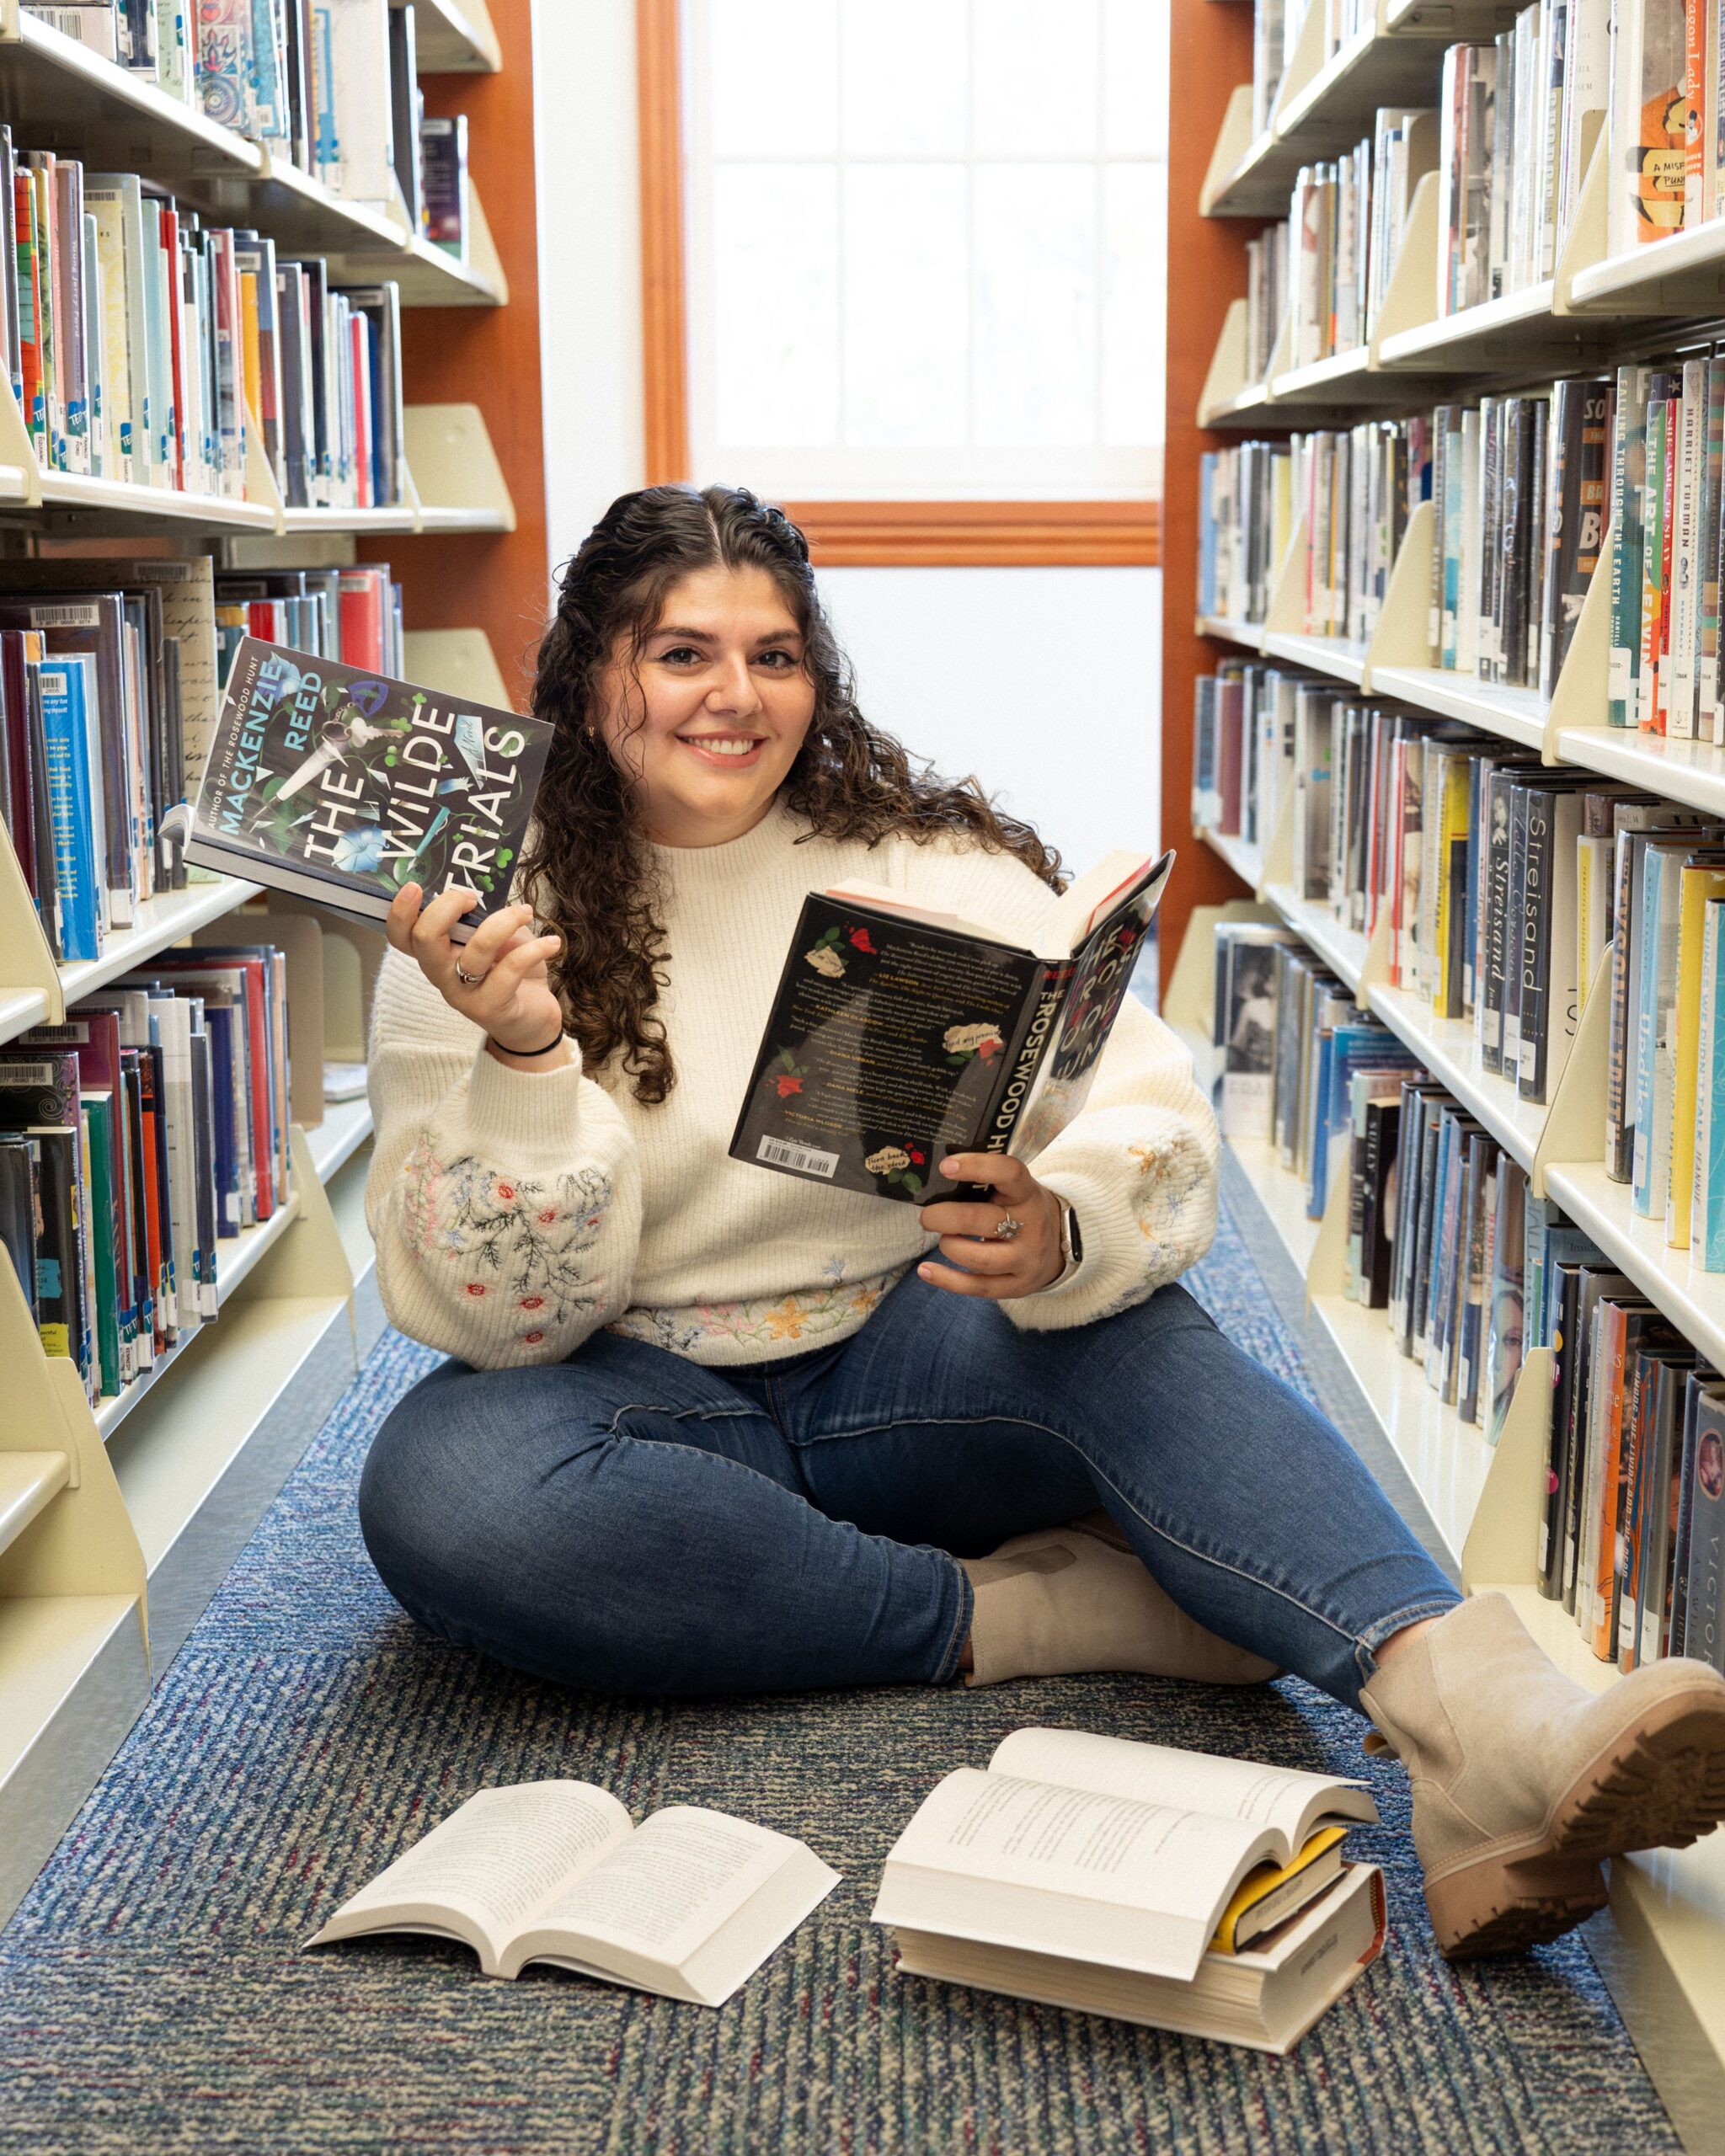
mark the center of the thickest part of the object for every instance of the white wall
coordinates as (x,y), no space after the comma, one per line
(589,261)
(1044,682)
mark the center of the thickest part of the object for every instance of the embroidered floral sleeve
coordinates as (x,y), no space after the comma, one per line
(1139,1165)
(505,1205)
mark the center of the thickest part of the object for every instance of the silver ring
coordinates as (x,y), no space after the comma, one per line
(466,978)
(1006,1228)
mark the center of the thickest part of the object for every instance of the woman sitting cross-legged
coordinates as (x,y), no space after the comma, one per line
(710,1428)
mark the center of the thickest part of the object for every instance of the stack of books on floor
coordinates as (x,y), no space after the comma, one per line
(135,1137)
(1205,1895)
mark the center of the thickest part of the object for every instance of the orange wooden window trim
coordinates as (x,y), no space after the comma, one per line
(840,534)
(1010,535)
(663,318)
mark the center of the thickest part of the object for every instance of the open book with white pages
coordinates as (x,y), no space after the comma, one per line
(689,1903)
(1094,1872)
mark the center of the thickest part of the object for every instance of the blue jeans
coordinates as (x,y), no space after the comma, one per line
(629,1521)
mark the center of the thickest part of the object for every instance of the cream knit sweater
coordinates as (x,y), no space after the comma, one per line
(515,1213)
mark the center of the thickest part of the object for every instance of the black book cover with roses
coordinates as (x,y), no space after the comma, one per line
(899,1035)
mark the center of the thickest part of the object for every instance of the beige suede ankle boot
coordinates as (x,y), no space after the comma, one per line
(1077,1598)
(1524,1780)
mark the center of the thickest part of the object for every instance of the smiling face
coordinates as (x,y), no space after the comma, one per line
(707,719)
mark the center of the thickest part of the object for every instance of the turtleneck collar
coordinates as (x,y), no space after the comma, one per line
(736,858)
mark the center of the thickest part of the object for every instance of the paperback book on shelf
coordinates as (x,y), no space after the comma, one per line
(998,1882)
(342,785)
(899,1033)
(688,1905)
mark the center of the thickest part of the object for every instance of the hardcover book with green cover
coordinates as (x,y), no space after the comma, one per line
(342,785)
(900,1033)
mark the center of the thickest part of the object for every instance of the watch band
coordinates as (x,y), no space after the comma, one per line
(1071,1241)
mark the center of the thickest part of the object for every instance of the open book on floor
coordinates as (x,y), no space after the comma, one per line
(689,1903)
(900,1033)
(1097,1873)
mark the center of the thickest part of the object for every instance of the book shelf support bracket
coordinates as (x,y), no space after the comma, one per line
(484,261)
(83,1541)
(1400,637)
(1226,377)
(1411,296)
(310,1259)
(1190,1005)
(1574,1128)
(1585,241)
(451,462)
(1578,698)
(1503,1538)
(28,963)
(1302,70)
(1285,616)
(1375,971)
(1327,1272)
(1232,144)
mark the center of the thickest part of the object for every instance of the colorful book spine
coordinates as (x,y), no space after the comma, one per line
(65,740)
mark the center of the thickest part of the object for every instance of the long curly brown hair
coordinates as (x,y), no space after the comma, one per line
(588,868)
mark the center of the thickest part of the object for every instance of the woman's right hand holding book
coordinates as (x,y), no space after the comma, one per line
(499,978)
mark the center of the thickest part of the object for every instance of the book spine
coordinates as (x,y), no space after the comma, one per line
(66,740)
(1704,1610)
(1036,1033)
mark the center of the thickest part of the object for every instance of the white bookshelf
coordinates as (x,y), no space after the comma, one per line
(88,107)
(1662,1946)
(142,1500)
(455,37)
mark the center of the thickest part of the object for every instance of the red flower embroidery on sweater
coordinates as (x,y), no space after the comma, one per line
(532,1302)
(532,1339)
(506,1192)
(476,1287)
(548,1216)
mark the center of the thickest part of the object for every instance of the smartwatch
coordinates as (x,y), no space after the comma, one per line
(1071,1242)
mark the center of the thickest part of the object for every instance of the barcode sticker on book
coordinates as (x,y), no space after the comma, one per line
(18,1075)
(783,1154)
(70,616)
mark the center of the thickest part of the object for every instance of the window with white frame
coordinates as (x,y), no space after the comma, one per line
(926,247)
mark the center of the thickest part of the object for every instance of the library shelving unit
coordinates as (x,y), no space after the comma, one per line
(118,1522)
(1661,1943)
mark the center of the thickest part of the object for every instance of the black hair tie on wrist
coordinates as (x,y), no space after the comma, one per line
(528,1052)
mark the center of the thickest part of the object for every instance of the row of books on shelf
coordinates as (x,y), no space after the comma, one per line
(135,1140)
(1276,29)
(1325,269)
(329,86)
(1503,885)
(1518,117)
(145,345)
(1352,491)
(109,673)
(1527,490)
(1471,1270)
(1515,117)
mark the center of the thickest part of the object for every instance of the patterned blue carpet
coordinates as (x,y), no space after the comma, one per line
(152,1998)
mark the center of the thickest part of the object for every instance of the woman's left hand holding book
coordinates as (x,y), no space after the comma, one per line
(499,978)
